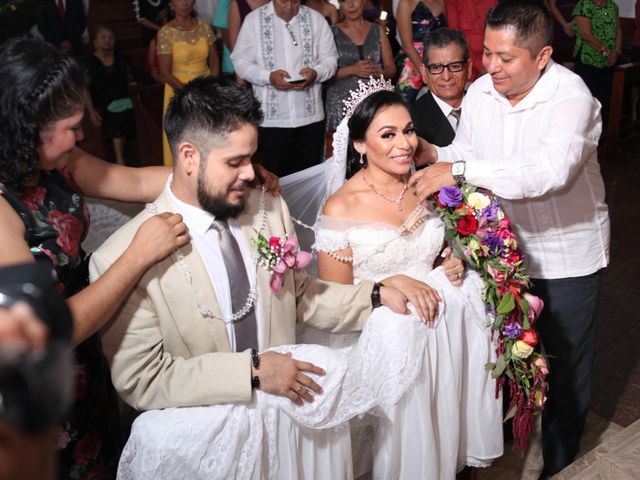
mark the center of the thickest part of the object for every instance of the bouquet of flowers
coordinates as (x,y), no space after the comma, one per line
(477,228)
(279,254)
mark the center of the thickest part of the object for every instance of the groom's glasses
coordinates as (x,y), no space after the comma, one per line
(453,67)
(293,37)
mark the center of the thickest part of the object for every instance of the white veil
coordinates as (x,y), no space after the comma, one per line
(307,191)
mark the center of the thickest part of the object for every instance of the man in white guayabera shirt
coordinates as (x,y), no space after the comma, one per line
(286,51)
(529,132)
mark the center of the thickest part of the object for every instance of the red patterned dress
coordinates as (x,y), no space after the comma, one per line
(56,219)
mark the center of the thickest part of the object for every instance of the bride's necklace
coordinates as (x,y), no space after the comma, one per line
(397,201)
(203,309)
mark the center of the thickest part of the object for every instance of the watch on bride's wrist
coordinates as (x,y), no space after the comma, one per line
(457,171)
(375,295)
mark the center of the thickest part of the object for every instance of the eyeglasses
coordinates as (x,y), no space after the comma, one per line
(453,67)
(293,37)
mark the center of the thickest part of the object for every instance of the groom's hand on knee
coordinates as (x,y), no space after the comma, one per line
(282,375)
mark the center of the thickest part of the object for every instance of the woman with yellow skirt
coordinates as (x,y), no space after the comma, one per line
(185,51)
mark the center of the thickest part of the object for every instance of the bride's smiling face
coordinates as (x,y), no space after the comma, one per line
(390,140)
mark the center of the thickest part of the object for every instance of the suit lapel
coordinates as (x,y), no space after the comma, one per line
(249,223)
(175,287)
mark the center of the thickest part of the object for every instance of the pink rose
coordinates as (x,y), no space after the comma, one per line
(536,305)
(541,365)
(499,276)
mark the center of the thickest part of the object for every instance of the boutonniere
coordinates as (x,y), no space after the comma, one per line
(279,254)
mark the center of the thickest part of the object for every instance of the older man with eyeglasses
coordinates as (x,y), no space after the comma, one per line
(445,70)
(286,51)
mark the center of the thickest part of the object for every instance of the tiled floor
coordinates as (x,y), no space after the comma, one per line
(615,403)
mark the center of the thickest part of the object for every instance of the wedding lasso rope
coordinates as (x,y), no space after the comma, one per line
(252,296)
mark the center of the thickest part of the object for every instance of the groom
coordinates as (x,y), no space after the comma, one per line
(172,343)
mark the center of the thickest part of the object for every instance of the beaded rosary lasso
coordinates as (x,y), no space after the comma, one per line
(252,296)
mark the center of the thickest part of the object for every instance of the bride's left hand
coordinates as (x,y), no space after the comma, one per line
(264,177)
(424,298)
(453,267)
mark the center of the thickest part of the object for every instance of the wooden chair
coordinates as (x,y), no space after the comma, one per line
(147,108)
(624,76)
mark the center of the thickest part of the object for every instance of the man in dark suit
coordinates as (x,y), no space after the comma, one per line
(63,23)
(445,70)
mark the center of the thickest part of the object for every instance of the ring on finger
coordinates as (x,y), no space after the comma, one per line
(458,275)
(298,390)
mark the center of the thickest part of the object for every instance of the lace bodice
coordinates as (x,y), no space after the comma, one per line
(380,250)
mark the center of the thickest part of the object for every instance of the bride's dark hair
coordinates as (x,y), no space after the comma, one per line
(359,122)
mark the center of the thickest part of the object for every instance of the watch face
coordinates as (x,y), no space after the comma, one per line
(457,168)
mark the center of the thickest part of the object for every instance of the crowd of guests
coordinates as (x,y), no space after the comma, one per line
(300,62)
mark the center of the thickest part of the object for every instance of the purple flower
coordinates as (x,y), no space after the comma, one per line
(450,196)
(512,330)
(494,243)
(490,212)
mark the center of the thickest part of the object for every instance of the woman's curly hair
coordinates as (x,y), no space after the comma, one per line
(38,86)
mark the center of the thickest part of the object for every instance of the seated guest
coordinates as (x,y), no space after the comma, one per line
(286,51)
(189,333)
(109,76)
(445,70)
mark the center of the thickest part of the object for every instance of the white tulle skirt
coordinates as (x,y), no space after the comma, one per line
(424,390)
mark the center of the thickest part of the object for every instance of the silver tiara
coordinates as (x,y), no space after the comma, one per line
(364,90)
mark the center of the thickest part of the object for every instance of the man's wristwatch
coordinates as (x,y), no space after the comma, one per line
(375,295)
(457,171)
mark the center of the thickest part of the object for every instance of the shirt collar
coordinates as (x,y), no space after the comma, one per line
(196,219)
(444,106)
(270,10)
(542,91)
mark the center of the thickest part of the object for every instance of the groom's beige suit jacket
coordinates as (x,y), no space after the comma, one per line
(164,353)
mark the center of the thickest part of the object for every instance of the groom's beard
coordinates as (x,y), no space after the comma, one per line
(217,205)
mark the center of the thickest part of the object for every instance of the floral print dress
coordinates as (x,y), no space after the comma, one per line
(56,219)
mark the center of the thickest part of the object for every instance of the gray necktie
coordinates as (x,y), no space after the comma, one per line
(245,328)
(455,113)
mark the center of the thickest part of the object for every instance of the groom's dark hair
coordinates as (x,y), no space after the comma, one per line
(206,110)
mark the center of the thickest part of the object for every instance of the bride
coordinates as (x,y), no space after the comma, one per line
(419,376)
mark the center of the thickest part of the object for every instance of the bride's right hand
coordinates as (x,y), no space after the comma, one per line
(424,298)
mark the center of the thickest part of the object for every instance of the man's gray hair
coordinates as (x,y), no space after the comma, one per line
(443,37)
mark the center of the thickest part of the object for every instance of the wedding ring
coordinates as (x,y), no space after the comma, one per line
(298,390)
(458,276)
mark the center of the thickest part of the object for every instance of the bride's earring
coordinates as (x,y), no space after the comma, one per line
(361,162)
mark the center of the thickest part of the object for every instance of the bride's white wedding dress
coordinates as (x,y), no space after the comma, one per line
(427,387)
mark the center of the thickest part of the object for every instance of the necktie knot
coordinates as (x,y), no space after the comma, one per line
(219,226)
(455,113)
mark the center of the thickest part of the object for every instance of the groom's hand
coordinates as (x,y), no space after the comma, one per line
(282,375)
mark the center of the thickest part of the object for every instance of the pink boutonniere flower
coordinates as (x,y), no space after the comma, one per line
(279,254)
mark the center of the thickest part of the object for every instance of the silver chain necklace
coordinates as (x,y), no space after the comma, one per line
(203,309)
(398,201)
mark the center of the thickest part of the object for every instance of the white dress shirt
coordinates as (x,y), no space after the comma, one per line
(540,157)
(206,242)
(446,111)
(291,48)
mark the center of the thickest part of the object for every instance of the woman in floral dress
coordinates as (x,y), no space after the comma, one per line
(43,218)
